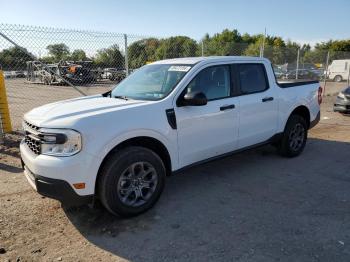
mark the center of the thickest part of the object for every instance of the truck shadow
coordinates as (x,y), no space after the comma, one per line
(224,209)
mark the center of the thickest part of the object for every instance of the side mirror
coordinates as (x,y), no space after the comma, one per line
(194,99)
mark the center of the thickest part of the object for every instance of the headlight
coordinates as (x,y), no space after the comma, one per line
(341,95)
(59,142)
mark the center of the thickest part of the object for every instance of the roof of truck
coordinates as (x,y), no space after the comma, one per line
(195,60)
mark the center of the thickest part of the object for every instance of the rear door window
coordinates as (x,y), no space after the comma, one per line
(253,78)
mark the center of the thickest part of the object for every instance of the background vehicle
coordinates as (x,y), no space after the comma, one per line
(78,73)
(338,70)
(8,74)
(20,74)
(278,72)
(302,74)
(342,103)
(293,66)
(114,74)
(119,146)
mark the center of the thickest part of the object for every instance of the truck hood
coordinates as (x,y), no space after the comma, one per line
(75,109)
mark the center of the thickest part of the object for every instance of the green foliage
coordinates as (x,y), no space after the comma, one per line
(228,42)
(58,52)
(177,46)
(225,43)
(142,51)
(338,49)
(109,57)
(14,58)
(78,55)
(47,59)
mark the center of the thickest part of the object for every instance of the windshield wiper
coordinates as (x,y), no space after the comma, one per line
(122,97)
(109,93)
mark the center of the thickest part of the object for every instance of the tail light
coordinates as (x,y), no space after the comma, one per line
(319,95)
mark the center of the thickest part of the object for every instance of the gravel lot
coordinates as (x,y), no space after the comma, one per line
(253,206)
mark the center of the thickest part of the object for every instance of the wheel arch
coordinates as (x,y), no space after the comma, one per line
(340,78)
(302,111)
(144,141)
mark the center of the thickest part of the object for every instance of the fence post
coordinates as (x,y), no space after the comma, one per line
(5,121)
(347,82)
(262,47)
(126,54)
(297,69)
(202,48)
(326,75)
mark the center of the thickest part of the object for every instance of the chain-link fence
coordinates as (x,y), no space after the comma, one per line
(43,65)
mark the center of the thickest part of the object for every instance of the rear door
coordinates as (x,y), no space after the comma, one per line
(212,129)
(258,105)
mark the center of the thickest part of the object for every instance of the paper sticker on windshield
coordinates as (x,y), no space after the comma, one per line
(179,68)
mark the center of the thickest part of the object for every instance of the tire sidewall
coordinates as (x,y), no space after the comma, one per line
(338,78)
(285,146)
(115,166)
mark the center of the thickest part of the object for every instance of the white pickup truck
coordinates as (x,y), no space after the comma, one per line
(119,147)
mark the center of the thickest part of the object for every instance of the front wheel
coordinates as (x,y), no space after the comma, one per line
(338,78)
(294,137)
(131,181)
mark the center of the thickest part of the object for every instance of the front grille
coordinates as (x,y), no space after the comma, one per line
(31,137)
(31,126)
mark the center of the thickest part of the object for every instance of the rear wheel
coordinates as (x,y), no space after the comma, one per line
(131,181)
(338,78)
(294,137)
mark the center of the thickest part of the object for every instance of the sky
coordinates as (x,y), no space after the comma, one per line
(307,21)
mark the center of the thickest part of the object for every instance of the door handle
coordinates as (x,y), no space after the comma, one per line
(226,107)
(267,99)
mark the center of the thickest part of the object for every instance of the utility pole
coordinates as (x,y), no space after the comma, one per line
(348,75)
(126,54)
(263,45)
(326,75)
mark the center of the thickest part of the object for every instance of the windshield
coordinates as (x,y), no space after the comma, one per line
(151,82)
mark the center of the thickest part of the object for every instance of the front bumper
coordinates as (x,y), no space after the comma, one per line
(54,177)
(56,189)
(342,105)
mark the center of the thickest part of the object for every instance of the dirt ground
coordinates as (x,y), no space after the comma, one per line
(252,206)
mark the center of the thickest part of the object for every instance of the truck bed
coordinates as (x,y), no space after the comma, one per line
(293,83)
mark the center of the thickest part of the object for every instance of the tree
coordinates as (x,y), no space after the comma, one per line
(254,47)
(338,49)
(142,51)
(109,57)
(14,58)
(177,46)
(58,51)
(228,42)
(78,55)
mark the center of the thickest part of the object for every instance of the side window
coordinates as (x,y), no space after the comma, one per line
(252,78)
(213,81)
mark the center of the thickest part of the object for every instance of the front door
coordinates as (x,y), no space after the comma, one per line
(212,129)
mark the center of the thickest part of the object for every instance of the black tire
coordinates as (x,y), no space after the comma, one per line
(338,78)
(110,180)
(290,145)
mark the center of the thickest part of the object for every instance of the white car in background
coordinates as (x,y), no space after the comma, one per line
(339,70)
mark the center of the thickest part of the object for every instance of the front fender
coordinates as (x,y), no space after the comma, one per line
(170,146)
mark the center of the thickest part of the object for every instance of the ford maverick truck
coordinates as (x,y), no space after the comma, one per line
(119,147)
